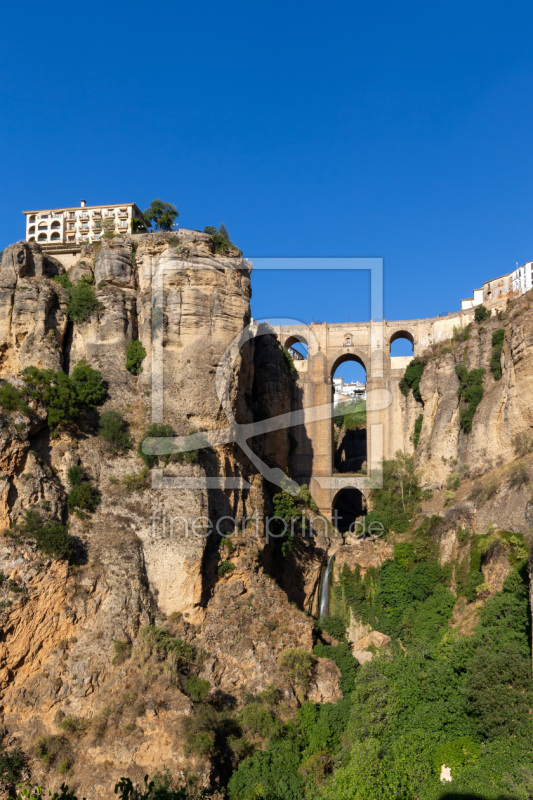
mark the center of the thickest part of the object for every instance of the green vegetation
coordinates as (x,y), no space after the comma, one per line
(496,357)
(82,302)
(470,393)
(412,377)
(299,665)
(63,280)
(12,762)
(52,537)
(291,519)
(113,428)
(289,360)
(417,429)
(481,314)
(225,568)
(64,396)
(397,501)
(161,216)
(136,481)
(437,699)
(351,414)
(461,334)
(162,431)
(12,399)
(135,354)
(222,243)
(83,496)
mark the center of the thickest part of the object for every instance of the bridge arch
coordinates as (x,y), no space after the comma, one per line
(298,339)
(348,505)
(340,358)
(402,334)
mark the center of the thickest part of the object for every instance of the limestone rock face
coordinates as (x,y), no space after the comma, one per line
(151,553)
(113,263)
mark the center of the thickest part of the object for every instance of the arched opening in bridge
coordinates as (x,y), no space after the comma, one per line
(349,415)
(297,347)
(349,505)
(402,344)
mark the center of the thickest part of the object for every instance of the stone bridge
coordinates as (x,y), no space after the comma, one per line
(388,429)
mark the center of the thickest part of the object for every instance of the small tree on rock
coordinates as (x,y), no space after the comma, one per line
(161,216)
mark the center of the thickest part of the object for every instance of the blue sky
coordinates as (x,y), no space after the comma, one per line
(398,130)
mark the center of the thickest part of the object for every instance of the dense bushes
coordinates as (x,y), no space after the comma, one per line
(82,302)
(51,537)
(64,396)
(162,431)
(470,392)
(460,702)
(135,354)
(397,501)
(12,399)
(113,428)
(83,497)
(481,314)
(221,240)
(289,516)
(412,377)
(496,357)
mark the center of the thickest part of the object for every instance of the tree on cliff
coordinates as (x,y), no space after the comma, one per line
(161,216)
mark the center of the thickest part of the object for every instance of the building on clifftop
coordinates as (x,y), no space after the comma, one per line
(79,225)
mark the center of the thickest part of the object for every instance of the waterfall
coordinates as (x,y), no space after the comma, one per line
(323,591)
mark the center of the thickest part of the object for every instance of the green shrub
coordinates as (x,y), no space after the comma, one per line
(83,498)
(417,429)
(289,360)
(12,399)
(49,748)
(496,357)
(224,568)
(51,537)
(75,475)
(135,354)
(64,397)
(12,762)
(87,381)
(63,280)
(221,240)
(470,392)
(396,502)
(298,664)
(199,731)
(156,431)
(481,313)
(82,302)
(196,688)
(412,377)
(256,720)
(334,625)
(136,481)
(122,649)
(113,428)
(461,334)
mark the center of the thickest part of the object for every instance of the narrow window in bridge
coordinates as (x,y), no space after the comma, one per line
(349,420)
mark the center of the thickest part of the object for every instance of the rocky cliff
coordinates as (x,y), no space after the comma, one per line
(88,690)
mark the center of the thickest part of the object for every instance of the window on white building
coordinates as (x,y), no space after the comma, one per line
(85,226)
(72,215)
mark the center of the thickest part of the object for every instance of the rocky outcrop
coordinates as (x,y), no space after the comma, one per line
(150,554)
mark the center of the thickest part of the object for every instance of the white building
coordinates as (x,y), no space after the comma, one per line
(522,278)
(79,225)
(344,392)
